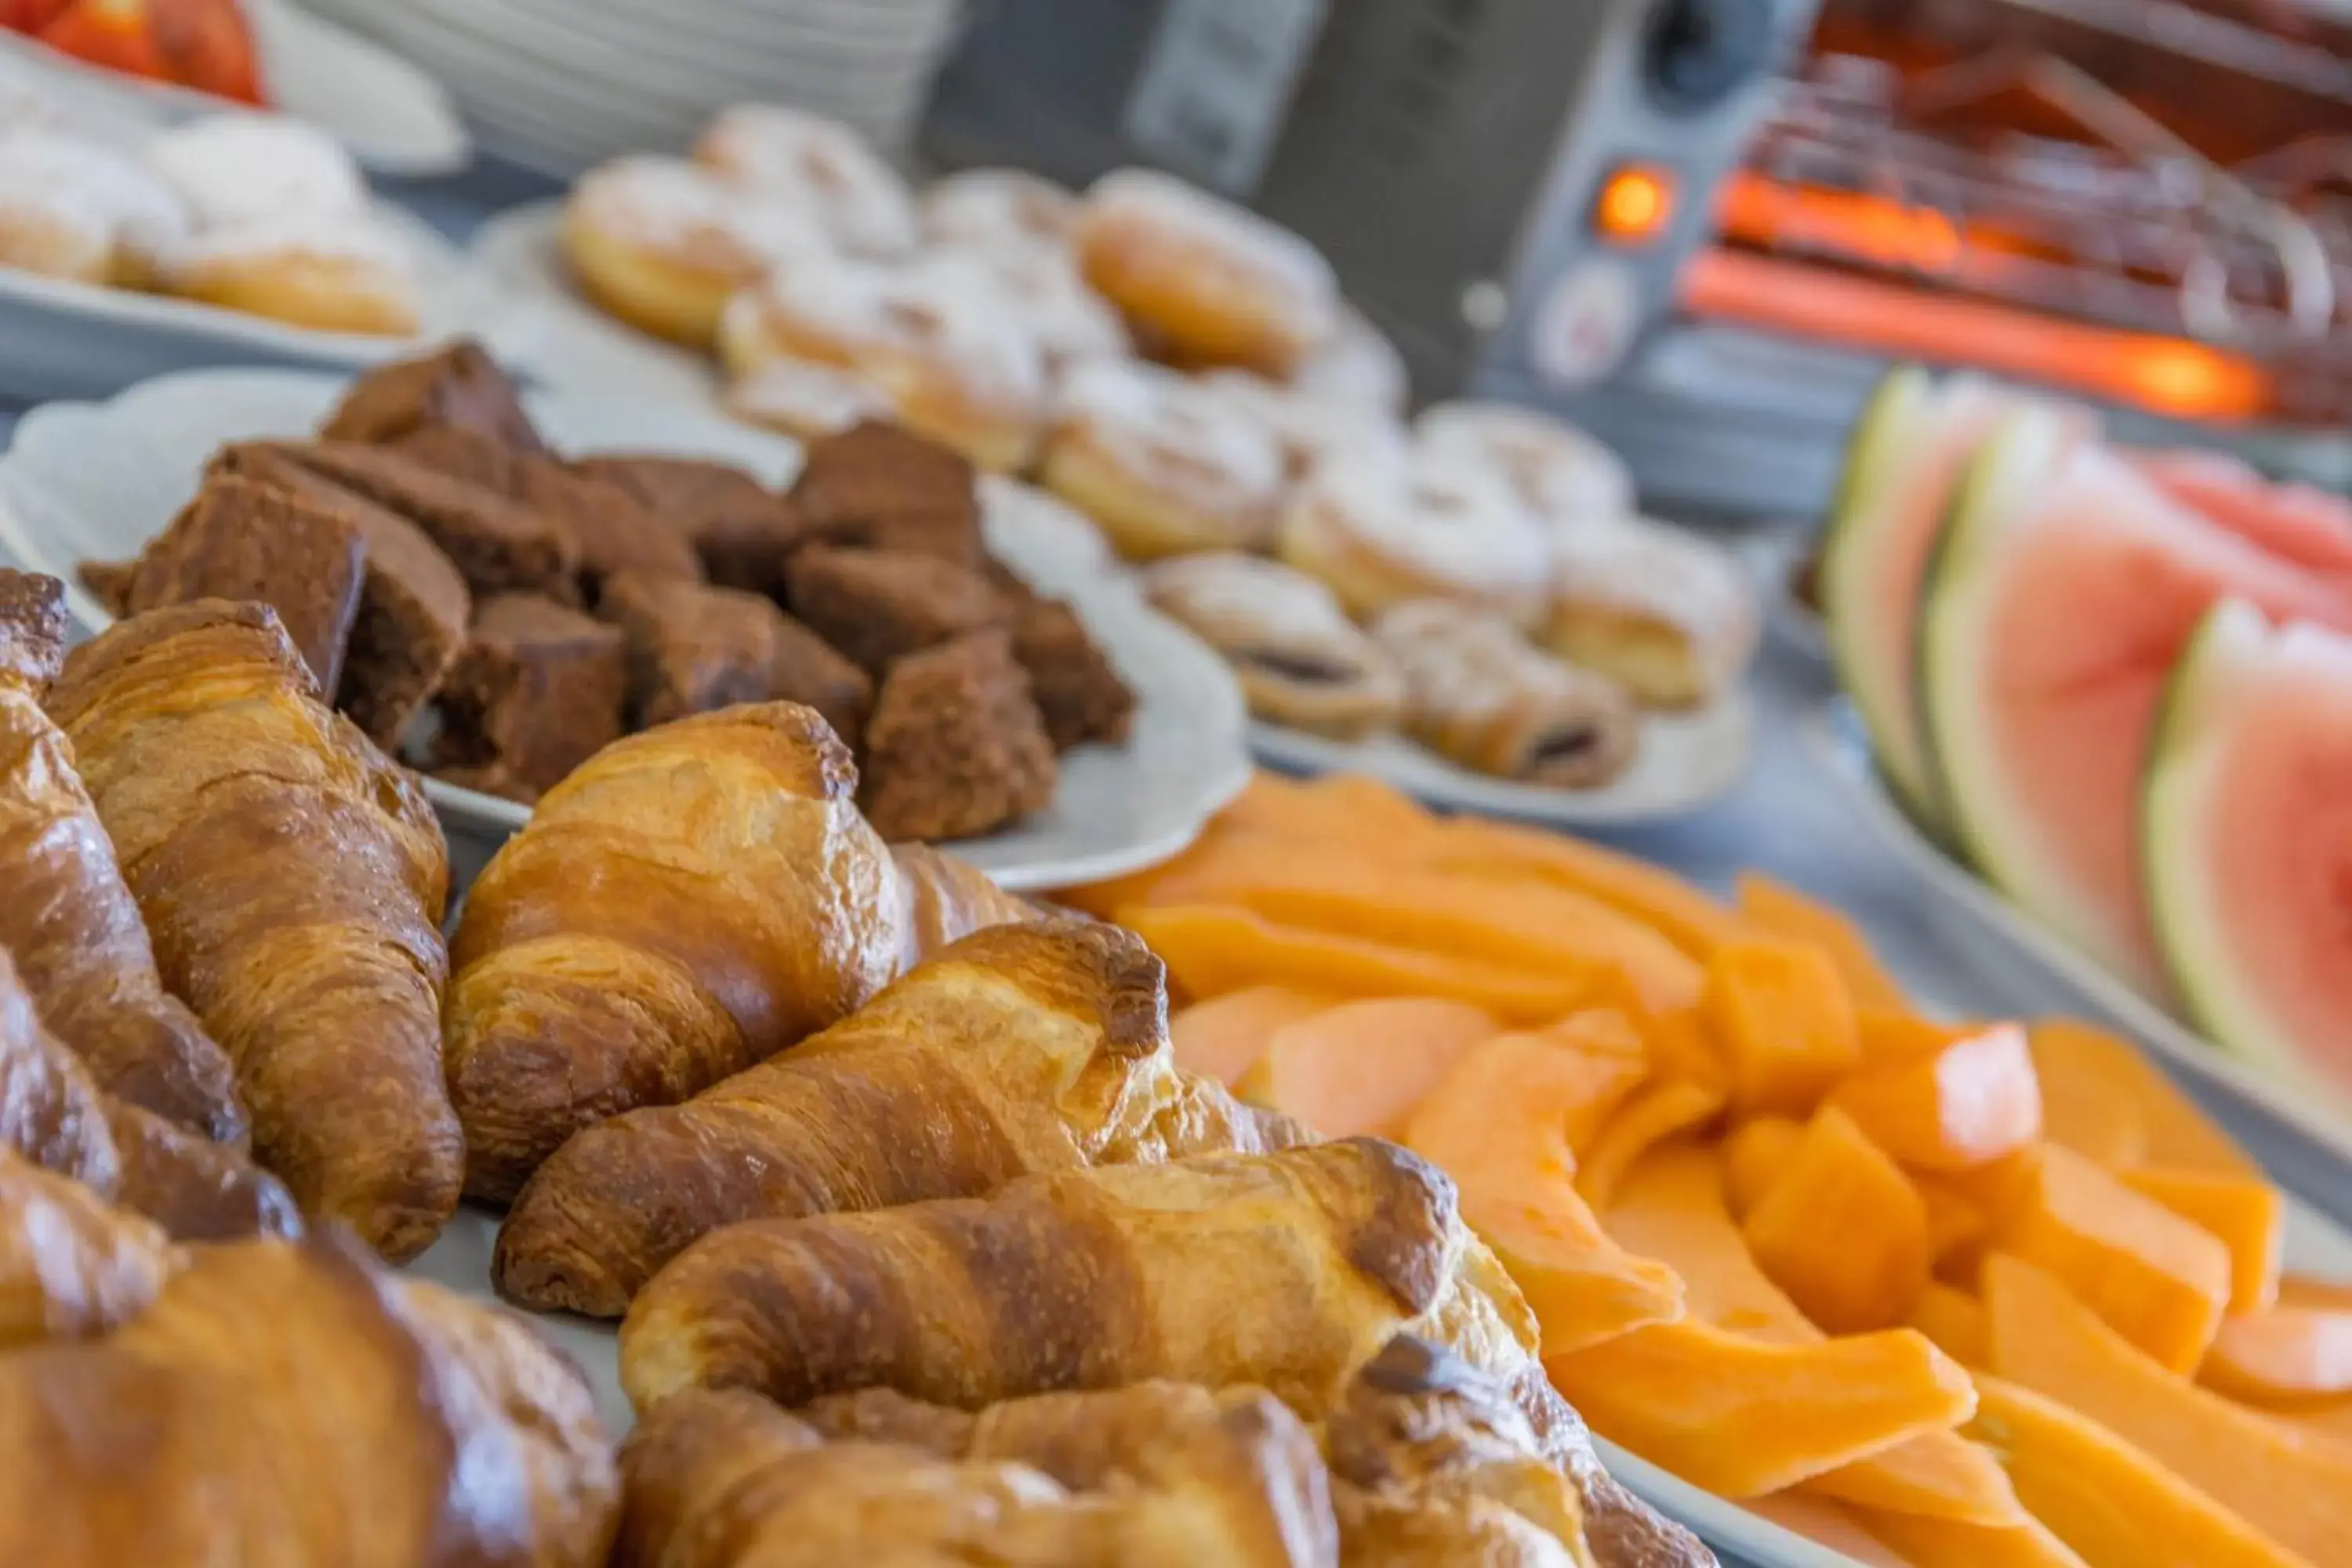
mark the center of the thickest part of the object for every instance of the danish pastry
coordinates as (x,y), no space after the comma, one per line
(1042,291)
(1358,364)
(998,207)
(927,336)
(1166,465)
(1314,428)
(1666,614)
(234,169)
(664,245)
(815,166)
(1213,283)
(1479,695)
(1562,472)
(805,400)
(1298,659)
(331,271)
(71,208)
(1382,534)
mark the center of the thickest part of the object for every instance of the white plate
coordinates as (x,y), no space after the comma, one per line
(62,339)
(1771,558)
(85,480)
(1685,762)
(395,119)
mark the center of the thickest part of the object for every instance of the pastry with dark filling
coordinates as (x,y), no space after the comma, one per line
(1480,695)
(1299,659)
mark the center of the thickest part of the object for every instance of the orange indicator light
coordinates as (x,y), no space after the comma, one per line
(1635,204)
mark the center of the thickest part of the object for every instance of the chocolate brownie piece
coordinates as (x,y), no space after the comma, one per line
(242,538)
(498,545)
(460,385)
(1076,687)
(414,605)
(32,628)
(879,608)
(537,692)
(743,532)
(691,648)
(108,583)
(808,670)
(956,748)
(878,486)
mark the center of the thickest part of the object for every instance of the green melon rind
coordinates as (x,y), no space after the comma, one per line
(1883,441)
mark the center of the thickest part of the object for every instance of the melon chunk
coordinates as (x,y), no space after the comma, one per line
(2064,590)
(2306,526)
(1225,1037)
(1358,1070)
(2248,843)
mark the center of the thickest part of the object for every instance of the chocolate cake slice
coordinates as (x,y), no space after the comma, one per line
(537,691)
(956,748)
(459,387)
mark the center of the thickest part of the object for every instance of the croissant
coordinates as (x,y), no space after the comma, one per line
(287,1404)
(71,1266)
(727,1480)
(54,1116)
(690,901)
(943,899)
(293,881)
(1020,1049)
(68,918)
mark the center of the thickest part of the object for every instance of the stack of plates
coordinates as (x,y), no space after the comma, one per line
(563,84)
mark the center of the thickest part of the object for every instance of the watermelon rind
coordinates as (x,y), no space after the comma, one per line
(1885,439)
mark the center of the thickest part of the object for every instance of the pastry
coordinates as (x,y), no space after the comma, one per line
(939,901)
(743,532)
(498,545)
(1020,1049)
(1039,287)
(1666,614)
(293,880)
(69,918)
(48,231)
(1479,695)
(1299,659)
(243,539)
(237,169)
(1167,466)
(1430,527)
(693,648)
(331,271)
(664,244)
(956,748)
(537,692)
(1076,687)
(878,485)
(1356,364)
(71,208)
(803,399)
(996,207)
(1566,476)
(71,1264)
(688,903)
(459,385)
(1210,283)
(814,165)
(877,609)
(933,337)
(1314,428)
(288,1403)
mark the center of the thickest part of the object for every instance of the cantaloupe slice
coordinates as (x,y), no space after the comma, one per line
(2089,1063)
(1777,909)
(1756,1155)
(1954,1224)
(2310,1291)
(2293,1484)
(2157,1280)
(2283,1357)
(1898,1034)
(1336,805)
(1358,1070)
(1226,1035)
(1971,1102)
(1660,1112)
(1843,1231)
(1211,950)
(1740,1418)
(1655,897)
(1956,1321)
(2248,1215)
(1936,1474)
(1940,1543)
(2117,1506)
(1781,1019)
(1826,1524)
(1682,1048)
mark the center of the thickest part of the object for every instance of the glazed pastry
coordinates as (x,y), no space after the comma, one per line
(1666,614)
(236,169)
(664,245)
(690,901)
(71,1266)
(1040,286)
(290,1403)
(1212,283)
(1564,475)
(1379,534)
(803,399)
(54,1116)
(293,880)
(1299,659)
(1479,695)
(933,339)
(71,208)
(994,207)
(1356,364)
(327,271)
(815,166)
(1167,466)
(1026,1048)
(1286,1270)
(1314,428)
(70,918)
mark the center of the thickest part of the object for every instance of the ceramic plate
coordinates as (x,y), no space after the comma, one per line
(97,480)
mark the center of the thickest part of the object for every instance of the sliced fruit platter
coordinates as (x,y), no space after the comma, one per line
(2119,686)
(1911,1291)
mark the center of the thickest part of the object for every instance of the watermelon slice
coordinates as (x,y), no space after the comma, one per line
(2247,837)
(2063,592)
(2308,527)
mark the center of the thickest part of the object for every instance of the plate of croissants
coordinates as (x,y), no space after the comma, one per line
(498,585)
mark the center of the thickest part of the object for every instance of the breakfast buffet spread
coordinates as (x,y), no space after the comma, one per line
(1292,1192)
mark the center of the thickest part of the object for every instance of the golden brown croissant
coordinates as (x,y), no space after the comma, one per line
(287,1404)
(293,881)
(727,1480)
(69,919)
(944,900)
(1020,1049)
(690,901)
(70,1265)
(53,1115)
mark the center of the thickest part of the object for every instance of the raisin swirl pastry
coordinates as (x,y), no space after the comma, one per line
(1299,659)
